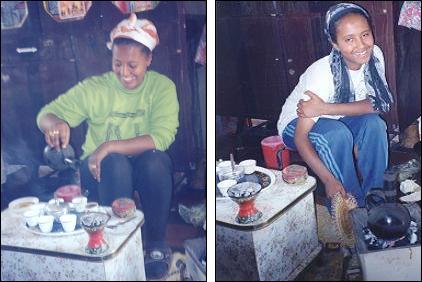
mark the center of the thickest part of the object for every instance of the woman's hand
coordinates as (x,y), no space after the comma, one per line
(334,186)
(94,161)
(57,135)
(314,107)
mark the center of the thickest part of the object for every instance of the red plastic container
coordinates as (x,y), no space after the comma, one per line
(68,192)
(276,154)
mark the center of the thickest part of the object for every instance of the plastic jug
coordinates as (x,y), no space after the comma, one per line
(276,154)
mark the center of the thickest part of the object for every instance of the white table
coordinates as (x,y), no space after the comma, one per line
(277,246)
(27,256)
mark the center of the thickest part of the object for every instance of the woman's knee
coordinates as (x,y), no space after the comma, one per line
(339,135)
(374,123)
(154,175)
(154,162)
(115,162)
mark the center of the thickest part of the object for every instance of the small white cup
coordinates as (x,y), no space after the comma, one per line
(46,223)
(79,203)
(224,166)
(249,166)
(31,217)
(38,207)
(68,222)
(91,207)
(224,185)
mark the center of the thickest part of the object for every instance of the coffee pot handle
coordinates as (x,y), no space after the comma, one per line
(279,156)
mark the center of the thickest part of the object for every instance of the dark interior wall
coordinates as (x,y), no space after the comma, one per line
(69,52)
(408,68)
(194,27)
(262,48)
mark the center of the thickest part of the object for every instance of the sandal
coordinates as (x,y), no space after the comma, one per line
(157,263)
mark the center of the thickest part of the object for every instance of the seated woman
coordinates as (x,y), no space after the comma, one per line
(334,109)
(132,117)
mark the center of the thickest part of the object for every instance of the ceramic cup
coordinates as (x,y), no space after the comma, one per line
(237,174)
(68,222)
(223,167)
(38,207)
(92,207)
(249,166)
(45,223)
(79,203)
(224,185)
(31,217)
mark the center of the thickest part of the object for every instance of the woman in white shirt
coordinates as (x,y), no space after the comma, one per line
(335,107)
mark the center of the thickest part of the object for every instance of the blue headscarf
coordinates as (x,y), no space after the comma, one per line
(376,85)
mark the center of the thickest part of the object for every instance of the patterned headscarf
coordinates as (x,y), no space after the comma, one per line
(376,85)
(142,31)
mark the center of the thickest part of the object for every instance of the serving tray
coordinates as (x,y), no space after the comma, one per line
(57,229)
(263,176)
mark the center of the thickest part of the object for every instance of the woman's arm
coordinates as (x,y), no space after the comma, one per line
(132,146)
(315,106)
(308,154)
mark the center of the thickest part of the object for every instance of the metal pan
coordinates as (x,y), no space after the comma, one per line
(388,221)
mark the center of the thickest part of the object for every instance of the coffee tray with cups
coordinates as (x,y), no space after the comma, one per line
(43,222)
(57,218)
(264,177)
(57,229)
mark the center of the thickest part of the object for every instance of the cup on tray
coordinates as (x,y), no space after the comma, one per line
(45,222)
(223,167)
(31,217)
(224,185)
(79,203)
(92,207)
(68,222)
(237,174)
(249,166)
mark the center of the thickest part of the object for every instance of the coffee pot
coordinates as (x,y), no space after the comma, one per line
(61,159)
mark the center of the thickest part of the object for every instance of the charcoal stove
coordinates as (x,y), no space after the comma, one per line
(396,263)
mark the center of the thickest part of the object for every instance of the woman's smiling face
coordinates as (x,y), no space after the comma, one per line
(130,65)
(354,40)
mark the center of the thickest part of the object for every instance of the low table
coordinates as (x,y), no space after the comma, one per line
(27,256)
(279,245)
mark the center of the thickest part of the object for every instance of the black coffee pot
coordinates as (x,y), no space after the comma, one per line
(61,159)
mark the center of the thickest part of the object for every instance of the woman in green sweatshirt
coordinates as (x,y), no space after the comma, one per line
(132,117)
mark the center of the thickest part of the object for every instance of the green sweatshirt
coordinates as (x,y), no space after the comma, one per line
(115,113)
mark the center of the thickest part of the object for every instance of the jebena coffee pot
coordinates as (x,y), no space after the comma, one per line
(61,159)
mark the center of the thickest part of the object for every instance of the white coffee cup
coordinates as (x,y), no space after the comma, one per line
(38,207)
(249,166)
(31,217)
(223,167)
(68,222)
(92,207)
(79,203)
(224,185)
(45,223)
